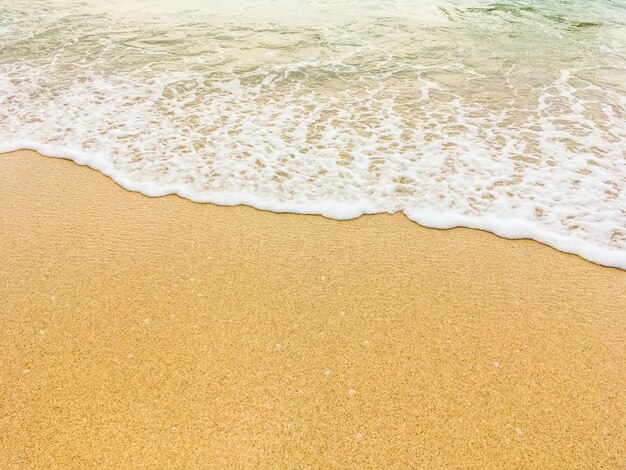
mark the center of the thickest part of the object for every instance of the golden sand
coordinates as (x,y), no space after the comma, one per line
(156,332)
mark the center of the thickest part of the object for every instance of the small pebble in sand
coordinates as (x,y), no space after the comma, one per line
(358,436)
(366,343)
(496,364)
(42,332)
(25,371)
(146,320)
(323,278)
(519,432)
(53,298)
(327,373)
(279,346)
(351,392)
(342,313)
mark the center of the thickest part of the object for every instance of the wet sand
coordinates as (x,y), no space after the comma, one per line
(156,332)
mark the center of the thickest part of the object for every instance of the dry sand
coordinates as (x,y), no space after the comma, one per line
(155,332)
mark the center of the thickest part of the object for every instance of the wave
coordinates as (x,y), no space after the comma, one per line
(467,119)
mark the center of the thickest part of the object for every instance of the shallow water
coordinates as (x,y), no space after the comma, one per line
(504,116)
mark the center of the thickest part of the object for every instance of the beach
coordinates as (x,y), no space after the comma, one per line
(159,332)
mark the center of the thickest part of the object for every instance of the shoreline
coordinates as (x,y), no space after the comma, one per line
(514,229)
(146,331)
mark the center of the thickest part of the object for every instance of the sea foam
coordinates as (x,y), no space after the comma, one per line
(372,116)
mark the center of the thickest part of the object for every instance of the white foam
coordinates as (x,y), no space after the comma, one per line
(353,128)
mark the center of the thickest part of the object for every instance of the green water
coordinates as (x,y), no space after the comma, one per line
(506,116)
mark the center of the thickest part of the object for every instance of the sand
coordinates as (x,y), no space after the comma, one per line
(156,332)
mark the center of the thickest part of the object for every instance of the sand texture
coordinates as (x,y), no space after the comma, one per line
(161,333)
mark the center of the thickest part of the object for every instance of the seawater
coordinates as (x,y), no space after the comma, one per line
(505,116)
